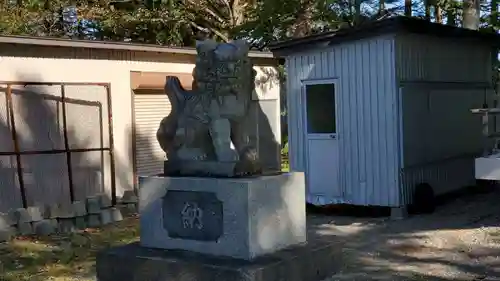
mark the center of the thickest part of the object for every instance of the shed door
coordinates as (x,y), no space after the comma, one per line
(150,106)
(322,140)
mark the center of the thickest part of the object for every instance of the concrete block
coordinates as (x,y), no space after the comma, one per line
(65,212)
(45,211)
(129,196)
(93,220)
(55,223)
(66,225)
(116,214)
(6,234)
(128,209)
(106,216)
(25,228)
(80,208)
(93,205)
(20,215)
(51,211)
(35,212)
(132,207)
(80,222)
(6,221)
(104,200)
(44,227)
(241,218)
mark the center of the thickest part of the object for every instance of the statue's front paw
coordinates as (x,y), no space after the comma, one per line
(249,163)
(191,154)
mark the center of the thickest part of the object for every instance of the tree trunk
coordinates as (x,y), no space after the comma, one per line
(451,16)
(494,13)
(494,53)
(408,8)
(238,14)
(357,11)
(60,22)
(439,14)
(302,26)
(427,10)
(381,6)
(471,9)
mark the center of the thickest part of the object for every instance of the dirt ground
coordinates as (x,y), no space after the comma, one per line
(460,241)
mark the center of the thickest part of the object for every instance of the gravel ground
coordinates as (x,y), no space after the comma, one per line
(460,241)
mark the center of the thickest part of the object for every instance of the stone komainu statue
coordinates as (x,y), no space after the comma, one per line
(205,135)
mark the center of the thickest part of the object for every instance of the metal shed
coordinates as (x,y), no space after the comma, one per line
(376,110)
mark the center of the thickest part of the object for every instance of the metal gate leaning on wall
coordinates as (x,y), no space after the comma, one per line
(150,105)
(56,143)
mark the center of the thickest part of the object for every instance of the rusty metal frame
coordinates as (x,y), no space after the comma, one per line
(67,150)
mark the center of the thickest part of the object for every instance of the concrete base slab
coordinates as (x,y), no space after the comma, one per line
(312,262)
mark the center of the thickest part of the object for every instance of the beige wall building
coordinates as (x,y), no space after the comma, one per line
(43,80)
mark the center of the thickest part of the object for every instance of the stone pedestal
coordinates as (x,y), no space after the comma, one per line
(240,218)
(315,261)
(209,229)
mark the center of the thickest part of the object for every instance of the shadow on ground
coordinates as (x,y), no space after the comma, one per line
(62,257)
(460,241)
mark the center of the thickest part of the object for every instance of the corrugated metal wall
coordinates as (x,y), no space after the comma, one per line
(367,116)
(149,110)
(439,135)
(431,59)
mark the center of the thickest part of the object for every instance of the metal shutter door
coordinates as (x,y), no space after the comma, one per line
(149,109)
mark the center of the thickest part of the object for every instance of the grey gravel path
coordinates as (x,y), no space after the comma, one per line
(461,241)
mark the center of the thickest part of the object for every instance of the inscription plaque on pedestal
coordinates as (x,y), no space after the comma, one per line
(192,215)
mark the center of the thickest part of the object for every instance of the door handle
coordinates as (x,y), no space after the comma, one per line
(332,136)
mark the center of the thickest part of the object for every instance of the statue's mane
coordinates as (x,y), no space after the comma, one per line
(224,62)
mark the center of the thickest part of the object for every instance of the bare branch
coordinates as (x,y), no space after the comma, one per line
(216,32)
(208,10)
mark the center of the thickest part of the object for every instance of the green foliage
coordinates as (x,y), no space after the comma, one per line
(154,26)
(178,23)
(273,20)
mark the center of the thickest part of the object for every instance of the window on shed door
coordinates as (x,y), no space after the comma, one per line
(320,109)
